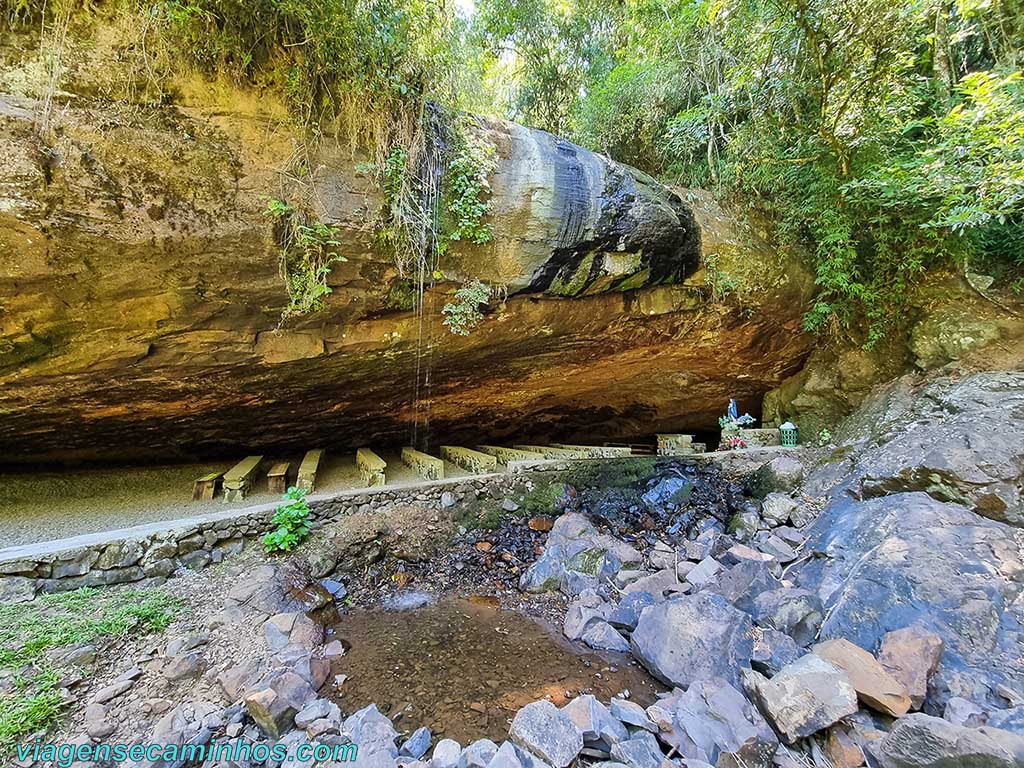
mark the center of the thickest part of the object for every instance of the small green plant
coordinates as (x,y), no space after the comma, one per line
(720,282)
(291,521)
(824,436)
(463,314)
(307,255)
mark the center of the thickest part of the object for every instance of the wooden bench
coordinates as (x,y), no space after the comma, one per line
(277,477)
(426,466)
(308,468)
(205,488)
(238,480)
(472,461)
(371,467)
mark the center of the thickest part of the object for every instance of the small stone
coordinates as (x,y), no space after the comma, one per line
(547,732)
(805,697)
(334,650)
(875,687)
(416,745)
(704,573)
(507,505)
(540,523)
(112,691)
(911,655)
(632,713)
(446,754)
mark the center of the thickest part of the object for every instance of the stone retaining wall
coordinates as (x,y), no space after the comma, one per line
(148,554)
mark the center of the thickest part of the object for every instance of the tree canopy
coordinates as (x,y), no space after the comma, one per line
(884,137)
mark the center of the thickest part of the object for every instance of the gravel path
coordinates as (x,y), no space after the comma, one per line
(43,506)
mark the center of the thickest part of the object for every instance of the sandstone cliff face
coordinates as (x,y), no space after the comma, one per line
(140,297)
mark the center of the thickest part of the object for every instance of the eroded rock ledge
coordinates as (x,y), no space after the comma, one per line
(141,298)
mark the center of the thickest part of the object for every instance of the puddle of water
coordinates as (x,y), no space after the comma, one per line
(463,668)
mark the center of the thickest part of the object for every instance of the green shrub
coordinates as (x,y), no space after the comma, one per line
(291,521)
(463,314)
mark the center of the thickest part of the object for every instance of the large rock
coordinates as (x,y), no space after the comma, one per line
(875,687)
(693,637)
(715,723)
(910,559)
(922,741)
(551,734)
(781,474)
(595,721)
(911,655)
(744,582)
(967,446)
(805,697)
(275,705)
(792,610)
(199,330)
(574,546)
(641,750)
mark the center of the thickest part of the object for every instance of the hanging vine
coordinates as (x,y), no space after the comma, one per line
(306,256)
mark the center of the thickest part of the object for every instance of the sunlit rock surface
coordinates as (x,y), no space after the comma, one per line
(140,297)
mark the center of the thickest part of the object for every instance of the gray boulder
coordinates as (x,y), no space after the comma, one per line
(772,651)
(794,611)
(742,583)
(717,724)
(908,559)
(602,636)
(478,754)
(626,614)
(922,741)
(639,751)
(581,615)
(446,754)
(632,714)
(574,545)
(416,746)
(372,731)
(541,728)
(783,473)
(967,446)
(693,637)
(803,698)
(595,721)
(776,509)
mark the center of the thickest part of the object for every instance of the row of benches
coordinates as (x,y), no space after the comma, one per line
(238,481)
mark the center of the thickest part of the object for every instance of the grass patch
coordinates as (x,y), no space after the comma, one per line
(29,630)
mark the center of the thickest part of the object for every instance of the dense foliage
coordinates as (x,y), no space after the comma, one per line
(885,136)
